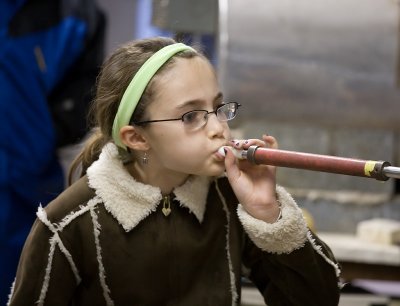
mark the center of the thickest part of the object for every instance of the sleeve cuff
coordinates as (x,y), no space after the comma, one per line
(285,235)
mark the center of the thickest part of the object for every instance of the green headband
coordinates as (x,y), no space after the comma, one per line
(138,84)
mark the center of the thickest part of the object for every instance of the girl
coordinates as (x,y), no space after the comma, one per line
(154,220)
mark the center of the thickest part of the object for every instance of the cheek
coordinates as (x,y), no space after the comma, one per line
(185,150)
(176,148)
(189,157)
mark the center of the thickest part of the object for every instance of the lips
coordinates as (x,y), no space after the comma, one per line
(217,153)
(219,156)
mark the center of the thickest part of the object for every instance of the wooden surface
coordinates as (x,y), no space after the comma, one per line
(362,259)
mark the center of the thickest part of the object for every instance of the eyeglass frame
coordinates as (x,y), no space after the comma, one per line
(195,110)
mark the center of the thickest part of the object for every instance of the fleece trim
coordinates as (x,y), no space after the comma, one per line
(285,235)
(235,295)
(130,201)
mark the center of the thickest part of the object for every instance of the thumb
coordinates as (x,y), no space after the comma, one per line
(231,165)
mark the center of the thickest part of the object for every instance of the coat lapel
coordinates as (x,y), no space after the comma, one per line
(130,201)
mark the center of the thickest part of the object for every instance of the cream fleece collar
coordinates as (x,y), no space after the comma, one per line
(130,201)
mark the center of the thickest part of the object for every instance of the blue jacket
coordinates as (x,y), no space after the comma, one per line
(47,69)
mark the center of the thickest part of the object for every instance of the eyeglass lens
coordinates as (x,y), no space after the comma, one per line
(198,118)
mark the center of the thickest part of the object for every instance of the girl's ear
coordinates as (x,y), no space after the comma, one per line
(133,138)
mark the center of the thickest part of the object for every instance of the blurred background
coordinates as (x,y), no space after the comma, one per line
(322,77)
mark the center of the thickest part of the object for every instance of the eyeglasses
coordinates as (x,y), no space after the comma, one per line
(196,119)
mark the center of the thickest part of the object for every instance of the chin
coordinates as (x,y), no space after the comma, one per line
(216,171)
(210,169)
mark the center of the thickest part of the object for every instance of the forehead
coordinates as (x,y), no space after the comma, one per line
(185,80)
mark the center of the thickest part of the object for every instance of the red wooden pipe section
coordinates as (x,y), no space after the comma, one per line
(308,161)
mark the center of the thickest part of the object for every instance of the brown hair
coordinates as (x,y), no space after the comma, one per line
(115,76)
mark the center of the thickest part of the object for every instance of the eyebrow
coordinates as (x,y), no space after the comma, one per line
(197,102)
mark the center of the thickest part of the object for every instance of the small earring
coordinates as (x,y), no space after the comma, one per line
(145,159)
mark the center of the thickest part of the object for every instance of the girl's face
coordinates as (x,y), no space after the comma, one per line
(190,84)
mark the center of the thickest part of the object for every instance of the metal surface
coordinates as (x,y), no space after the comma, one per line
(186,16)
(393,172)
(250,154)
(330,62)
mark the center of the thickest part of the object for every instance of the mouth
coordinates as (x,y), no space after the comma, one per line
(218,156)
(217,153)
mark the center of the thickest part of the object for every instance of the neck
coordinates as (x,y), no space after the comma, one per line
(167,181)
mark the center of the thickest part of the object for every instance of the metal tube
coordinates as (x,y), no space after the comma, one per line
(391,171)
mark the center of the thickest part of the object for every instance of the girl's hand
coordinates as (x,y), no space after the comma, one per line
(254,185)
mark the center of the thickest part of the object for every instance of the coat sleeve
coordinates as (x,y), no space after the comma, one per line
(44,275)
(287,262)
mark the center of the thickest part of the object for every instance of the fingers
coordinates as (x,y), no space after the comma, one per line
(231,167)
(271,141)
(266,141)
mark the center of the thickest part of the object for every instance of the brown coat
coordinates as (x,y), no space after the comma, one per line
(105,241)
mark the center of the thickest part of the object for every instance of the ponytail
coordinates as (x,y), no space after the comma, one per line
(89,154)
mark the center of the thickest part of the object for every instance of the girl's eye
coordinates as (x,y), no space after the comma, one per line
(191,117)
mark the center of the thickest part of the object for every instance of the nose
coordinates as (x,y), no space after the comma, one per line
(215,127)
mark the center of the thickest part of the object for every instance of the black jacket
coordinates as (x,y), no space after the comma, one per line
(106,241)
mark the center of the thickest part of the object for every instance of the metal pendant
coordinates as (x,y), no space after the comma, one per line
(166,210)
